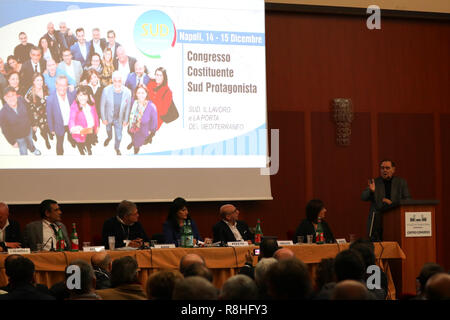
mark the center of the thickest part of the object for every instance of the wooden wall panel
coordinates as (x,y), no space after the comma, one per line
(408,139)
(341,173)
(443,222)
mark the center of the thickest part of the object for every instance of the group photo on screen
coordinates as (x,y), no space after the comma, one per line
(64,94)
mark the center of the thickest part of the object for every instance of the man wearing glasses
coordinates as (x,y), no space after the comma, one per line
(229,228)
(384,193)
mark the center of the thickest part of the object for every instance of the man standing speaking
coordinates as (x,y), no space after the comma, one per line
(384,193)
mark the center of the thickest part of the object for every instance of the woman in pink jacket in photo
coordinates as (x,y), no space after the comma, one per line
(83,121)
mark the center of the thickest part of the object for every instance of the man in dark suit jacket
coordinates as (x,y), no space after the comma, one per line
(22,50)
(10,236)
(58,113)
(29,67)
(53,43)
(97,43)
(81,50)
(65,37)
(230,228)
(384,193)
(44,230)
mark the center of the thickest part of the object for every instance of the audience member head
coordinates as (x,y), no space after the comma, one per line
(350,290)
(13,80)
(261,269)
(325,273)
(111,36)
(61,85)
(117,81)
(96,61)
(83,97)
(178,212)
(50,210)
(315,209)
(366,249)
(51,67)
(23,38)
(121,54)
(239,287)
(107,56)
(438,287)
(10,96)
(127,211)
(194,288)
(198,269)
(87,277)
(102,260)
(283,253)
(20,271)
(160,285)
(289,279)
(189,259)
(428,270)
(349,265)
(139,68)
(8,261)
(124,271)
(268,247)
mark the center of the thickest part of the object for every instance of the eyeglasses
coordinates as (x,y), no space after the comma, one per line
(385,168)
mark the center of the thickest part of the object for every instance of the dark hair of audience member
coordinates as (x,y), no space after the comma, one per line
(198,269)
(268,247)
(160,285)
(289,279)
(428,270)
(325,273)
(21,271)
(124,271)
(349,265)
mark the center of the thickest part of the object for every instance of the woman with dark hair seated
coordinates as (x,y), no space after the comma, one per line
(315,209)
(178,213)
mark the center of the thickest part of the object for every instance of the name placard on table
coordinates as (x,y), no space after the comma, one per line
(19,251)
(164,246)
(94,249)
(285,243)
(237,244)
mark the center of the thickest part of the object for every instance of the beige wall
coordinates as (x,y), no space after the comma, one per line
(442,6)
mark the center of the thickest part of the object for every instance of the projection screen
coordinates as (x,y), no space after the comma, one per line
(196,128)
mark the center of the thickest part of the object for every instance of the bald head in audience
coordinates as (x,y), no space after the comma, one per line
(350,290)
(189,259)
(438,287)
(101,260)
(283,253)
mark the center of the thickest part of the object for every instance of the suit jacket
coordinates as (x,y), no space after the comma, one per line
(107,104)
(33,234)
(54,47)
(131,81)
(27,71)
(78,70)
(222,232)
(123,292)
(65,41)
(76,53)
(399,191)
(131,62)
(12,233)
(54,115)
(307,228)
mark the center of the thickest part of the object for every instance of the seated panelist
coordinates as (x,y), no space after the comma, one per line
(125,227)
(230,228)
(315,209)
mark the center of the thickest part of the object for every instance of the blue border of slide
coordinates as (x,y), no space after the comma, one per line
(16,10)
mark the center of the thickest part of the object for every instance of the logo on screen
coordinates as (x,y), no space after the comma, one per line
(154,32)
